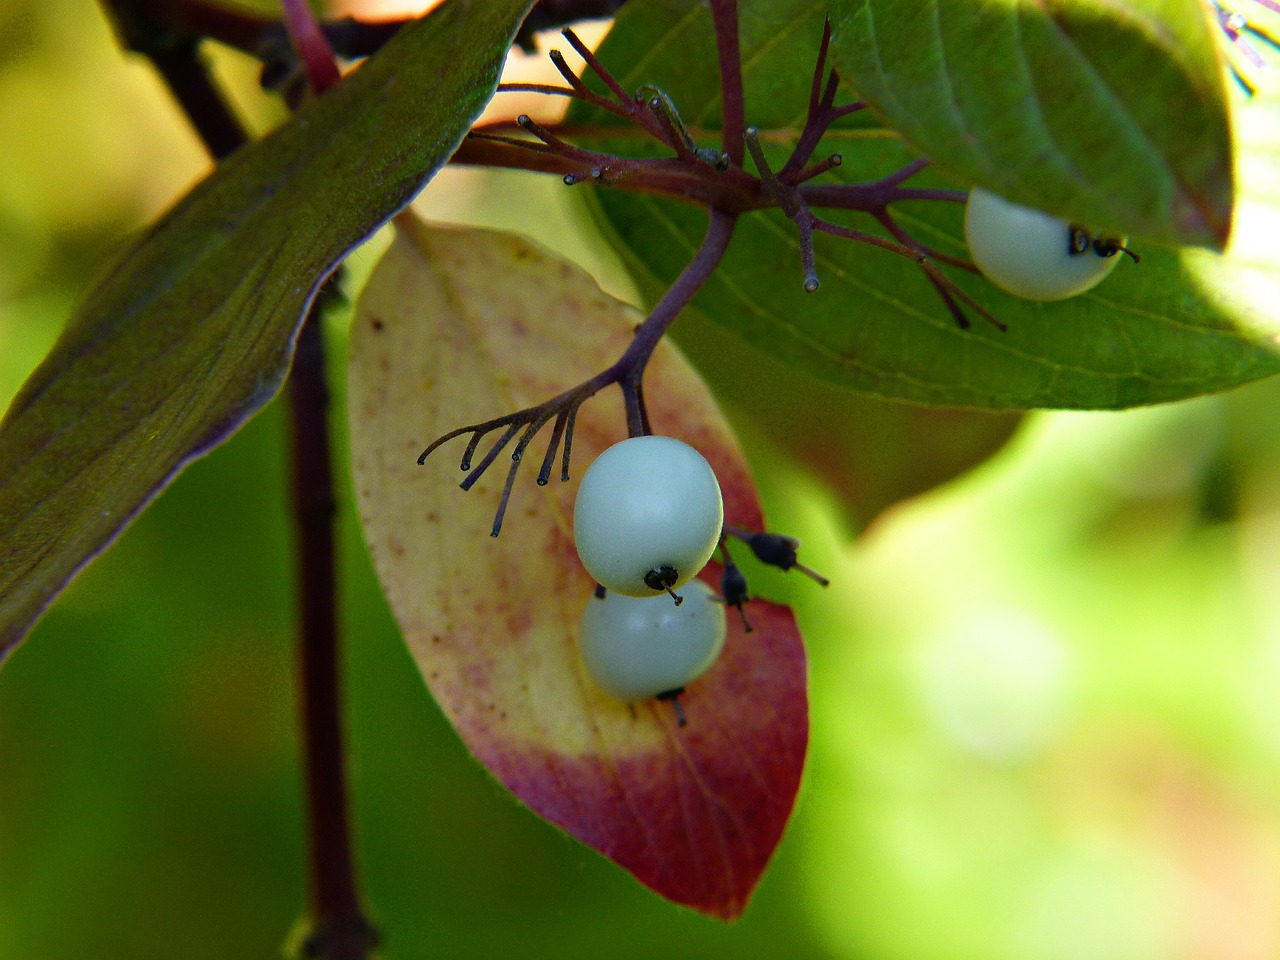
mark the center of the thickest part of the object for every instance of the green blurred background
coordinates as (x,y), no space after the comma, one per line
(1046,696)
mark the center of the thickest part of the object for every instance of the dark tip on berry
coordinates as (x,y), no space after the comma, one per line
(733,589)
(600,591)
(661,577)
(673,696)
(664,577)
(1078,241)
(1110,246)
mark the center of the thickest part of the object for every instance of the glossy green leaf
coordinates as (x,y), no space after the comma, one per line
(869,454)
(191,331)
(1112,114)
(1152,332)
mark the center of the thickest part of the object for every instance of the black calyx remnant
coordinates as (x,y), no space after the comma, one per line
(664,578)
(779,550)
(1080,240)
(733,588)
(673,696)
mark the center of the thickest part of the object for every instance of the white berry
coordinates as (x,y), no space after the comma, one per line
(648,516)
(638,647)
(1032,255)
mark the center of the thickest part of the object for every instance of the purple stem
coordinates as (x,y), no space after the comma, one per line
(339,928)
(724,15)
(629,370)
(340,931)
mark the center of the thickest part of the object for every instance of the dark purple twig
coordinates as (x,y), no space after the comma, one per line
(627,372)
(177,59)
(340,930)
(887,220)
(349,37)
(724,17)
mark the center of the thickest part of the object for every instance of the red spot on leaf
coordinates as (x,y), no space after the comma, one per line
(693,812)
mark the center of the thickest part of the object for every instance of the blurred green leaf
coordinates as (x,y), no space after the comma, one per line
(1152,332)
(1111,114)
(190,332)
(870,454)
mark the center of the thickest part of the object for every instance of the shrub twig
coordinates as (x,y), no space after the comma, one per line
(627,372)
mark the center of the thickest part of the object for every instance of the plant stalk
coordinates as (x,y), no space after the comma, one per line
(340,930)
(724,15)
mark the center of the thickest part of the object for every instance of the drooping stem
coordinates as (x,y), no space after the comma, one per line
(627,371)
(352,38)
(633,361)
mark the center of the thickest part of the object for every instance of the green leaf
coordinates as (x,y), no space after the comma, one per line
(191,331)
(882,452)
(1111,114)
(1152,332)
(1246,277)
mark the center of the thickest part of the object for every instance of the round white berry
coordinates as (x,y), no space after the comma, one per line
(638,647)
(1032,255)
(648,516)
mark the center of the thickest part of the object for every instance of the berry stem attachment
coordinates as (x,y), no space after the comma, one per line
(792,202)
(673,697)
(627,372)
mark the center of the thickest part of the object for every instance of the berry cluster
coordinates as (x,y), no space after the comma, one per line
(649,514)
(1032,255)
(647,519)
